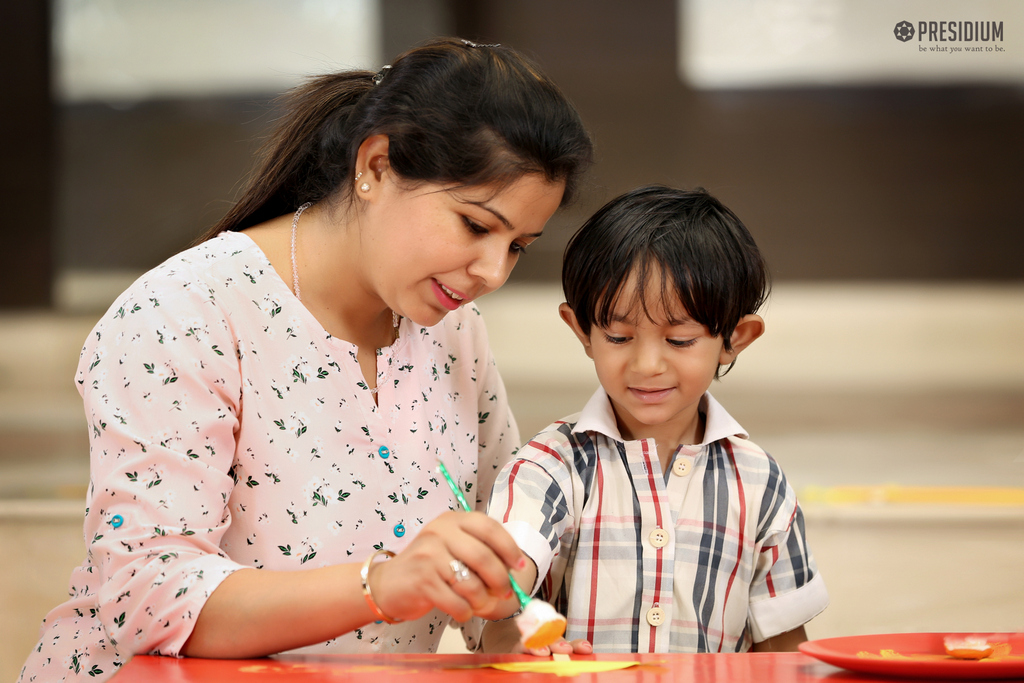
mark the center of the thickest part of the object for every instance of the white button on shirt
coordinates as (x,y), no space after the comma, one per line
(656,616)
(658,538)
(681,467)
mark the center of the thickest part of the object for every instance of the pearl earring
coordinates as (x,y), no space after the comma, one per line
(365,187)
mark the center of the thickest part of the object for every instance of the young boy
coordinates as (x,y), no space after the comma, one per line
(654,524)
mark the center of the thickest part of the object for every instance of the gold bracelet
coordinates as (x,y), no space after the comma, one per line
(364,574)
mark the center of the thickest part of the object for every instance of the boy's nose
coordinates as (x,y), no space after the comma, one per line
(648,360)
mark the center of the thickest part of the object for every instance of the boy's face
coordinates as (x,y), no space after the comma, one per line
(655,372)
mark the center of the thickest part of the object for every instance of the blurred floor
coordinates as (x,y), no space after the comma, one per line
(896,411)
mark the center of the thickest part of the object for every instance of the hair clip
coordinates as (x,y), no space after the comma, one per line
(379,76)
(470,43)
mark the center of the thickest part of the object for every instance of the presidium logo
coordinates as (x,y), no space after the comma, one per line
(904,31)
(952,32)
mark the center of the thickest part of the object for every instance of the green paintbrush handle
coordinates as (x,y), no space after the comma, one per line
(523,597)
(454,487)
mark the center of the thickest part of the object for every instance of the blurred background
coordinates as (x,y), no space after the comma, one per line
(880,172)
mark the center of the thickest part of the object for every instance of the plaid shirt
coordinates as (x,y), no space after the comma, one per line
(708,558)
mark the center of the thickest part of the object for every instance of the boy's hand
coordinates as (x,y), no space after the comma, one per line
(784,642)
(504,636)
(560,646)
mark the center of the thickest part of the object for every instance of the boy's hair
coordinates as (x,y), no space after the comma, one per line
(707,259)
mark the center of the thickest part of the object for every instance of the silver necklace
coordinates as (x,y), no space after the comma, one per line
(295,271)
(395,318)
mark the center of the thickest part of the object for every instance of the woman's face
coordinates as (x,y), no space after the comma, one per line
(428,249)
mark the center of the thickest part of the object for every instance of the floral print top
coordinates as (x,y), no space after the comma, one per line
(228,429)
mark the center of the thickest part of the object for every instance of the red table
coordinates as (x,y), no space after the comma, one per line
(786,667)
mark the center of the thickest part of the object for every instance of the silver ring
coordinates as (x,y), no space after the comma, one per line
(460,570)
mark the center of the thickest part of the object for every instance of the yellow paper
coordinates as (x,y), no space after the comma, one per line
(560,668)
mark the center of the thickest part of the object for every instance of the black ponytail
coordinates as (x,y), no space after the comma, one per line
(454,113)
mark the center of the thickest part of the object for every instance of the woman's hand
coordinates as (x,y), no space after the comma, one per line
(253,613)
(421,577)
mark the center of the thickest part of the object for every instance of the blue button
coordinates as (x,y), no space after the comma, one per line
(399,530)
(116,521)
(384,452)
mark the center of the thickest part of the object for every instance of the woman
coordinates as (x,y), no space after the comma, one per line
(278,396)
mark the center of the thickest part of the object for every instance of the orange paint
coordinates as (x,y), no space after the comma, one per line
(546,634)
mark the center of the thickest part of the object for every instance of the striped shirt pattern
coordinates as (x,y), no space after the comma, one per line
(708,558)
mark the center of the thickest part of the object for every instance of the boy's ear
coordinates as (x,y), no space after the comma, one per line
(749,328)
(570,319)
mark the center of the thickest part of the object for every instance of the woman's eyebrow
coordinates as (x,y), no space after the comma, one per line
(506,222)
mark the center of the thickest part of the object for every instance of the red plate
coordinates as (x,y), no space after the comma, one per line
(917,655)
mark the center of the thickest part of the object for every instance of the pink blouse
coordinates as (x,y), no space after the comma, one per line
(229,429)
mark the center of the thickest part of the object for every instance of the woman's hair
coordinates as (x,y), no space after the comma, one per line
(454,113)
(704,255)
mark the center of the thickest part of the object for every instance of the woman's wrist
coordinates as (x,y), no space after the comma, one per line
(364,577)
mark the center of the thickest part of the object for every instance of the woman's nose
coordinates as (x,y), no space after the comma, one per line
(492,265)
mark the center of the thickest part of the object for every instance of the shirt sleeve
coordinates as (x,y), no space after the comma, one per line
(786,591)
(533,498)
(160,381)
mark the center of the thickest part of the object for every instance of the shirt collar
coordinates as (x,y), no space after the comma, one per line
(598,416)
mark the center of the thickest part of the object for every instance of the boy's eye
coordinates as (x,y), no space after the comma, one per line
(615,339)
(682,343)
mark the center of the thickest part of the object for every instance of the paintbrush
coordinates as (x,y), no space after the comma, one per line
(539,623)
